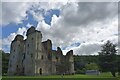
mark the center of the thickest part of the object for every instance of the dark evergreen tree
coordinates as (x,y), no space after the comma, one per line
(5,61)
(118,64)
(108,58)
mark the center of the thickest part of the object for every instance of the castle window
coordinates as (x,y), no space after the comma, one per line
(56,58)
(24,56)
(23,69)
(31,55)
(17,66)
(28,45)
(32,38)
(19,45)
(49,56)
(17,69)
(42,57)
(40,71)
(14,50)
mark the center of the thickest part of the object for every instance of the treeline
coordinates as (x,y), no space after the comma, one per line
(106,61)
(81,62)
(5,61)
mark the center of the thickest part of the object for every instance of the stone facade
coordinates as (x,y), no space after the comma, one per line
(33,57)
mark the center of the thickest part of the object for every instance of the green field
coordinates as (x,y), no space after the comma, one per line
(103,76)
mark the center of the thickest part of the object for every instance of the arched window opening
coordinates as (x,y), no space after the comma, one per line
(42,57)
(57,59)
(40,71)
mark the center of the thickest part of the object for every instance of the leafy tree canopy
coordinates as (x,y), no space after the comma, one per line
(108,57)
(91,66)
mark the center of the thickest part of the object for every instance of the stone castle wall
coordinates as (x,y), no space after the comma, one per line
(34,57)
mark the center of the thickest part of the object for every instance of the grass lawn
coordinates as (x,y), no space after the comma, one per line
(103,76)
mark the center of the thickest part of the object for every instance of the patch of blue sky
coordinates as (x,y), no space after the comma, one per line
(117,34)
(54,48)
(46,14)
(50,13)
(76,44)
(64,47)
(30,20)
(6,48)
(10,28)
(13,27)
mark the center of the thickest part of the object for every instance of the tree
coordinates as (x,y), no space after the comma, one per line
(118,64)
(91,66)
(108,58)
(5,61)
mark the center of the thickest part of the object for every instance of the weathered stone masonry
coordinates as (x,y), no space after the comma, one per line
(33,57)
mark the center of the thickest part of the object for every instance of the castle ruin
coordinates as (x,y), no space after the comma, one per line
(31,57)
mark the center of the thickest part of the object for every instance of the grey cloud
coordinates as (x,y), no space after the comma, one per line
(88,12)
(88,49)
(70,26)
(14,12)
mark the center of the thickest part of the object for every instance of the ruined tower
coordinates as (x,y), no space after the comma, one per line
(33,57)
(33,51)
(70,61)
(15,66)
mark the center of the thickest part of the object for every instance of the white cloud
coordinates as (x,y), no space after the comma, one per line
(89,48)
(39,9)
(7,41)
(76,14)
(90,24)
(59,0)
(0,12)
(29,25)
(43,26)
(83,23)
(0,44)
(17,10)
(14,12)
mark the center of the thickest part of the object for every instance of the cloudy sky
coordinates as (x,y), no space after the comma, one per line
(80,26)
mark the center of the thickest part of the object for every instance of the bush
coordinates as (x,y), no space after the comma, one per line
(80,71)
(91,66)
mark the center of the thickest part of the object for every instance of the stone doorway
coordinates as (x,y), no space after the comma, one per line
(40,71)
